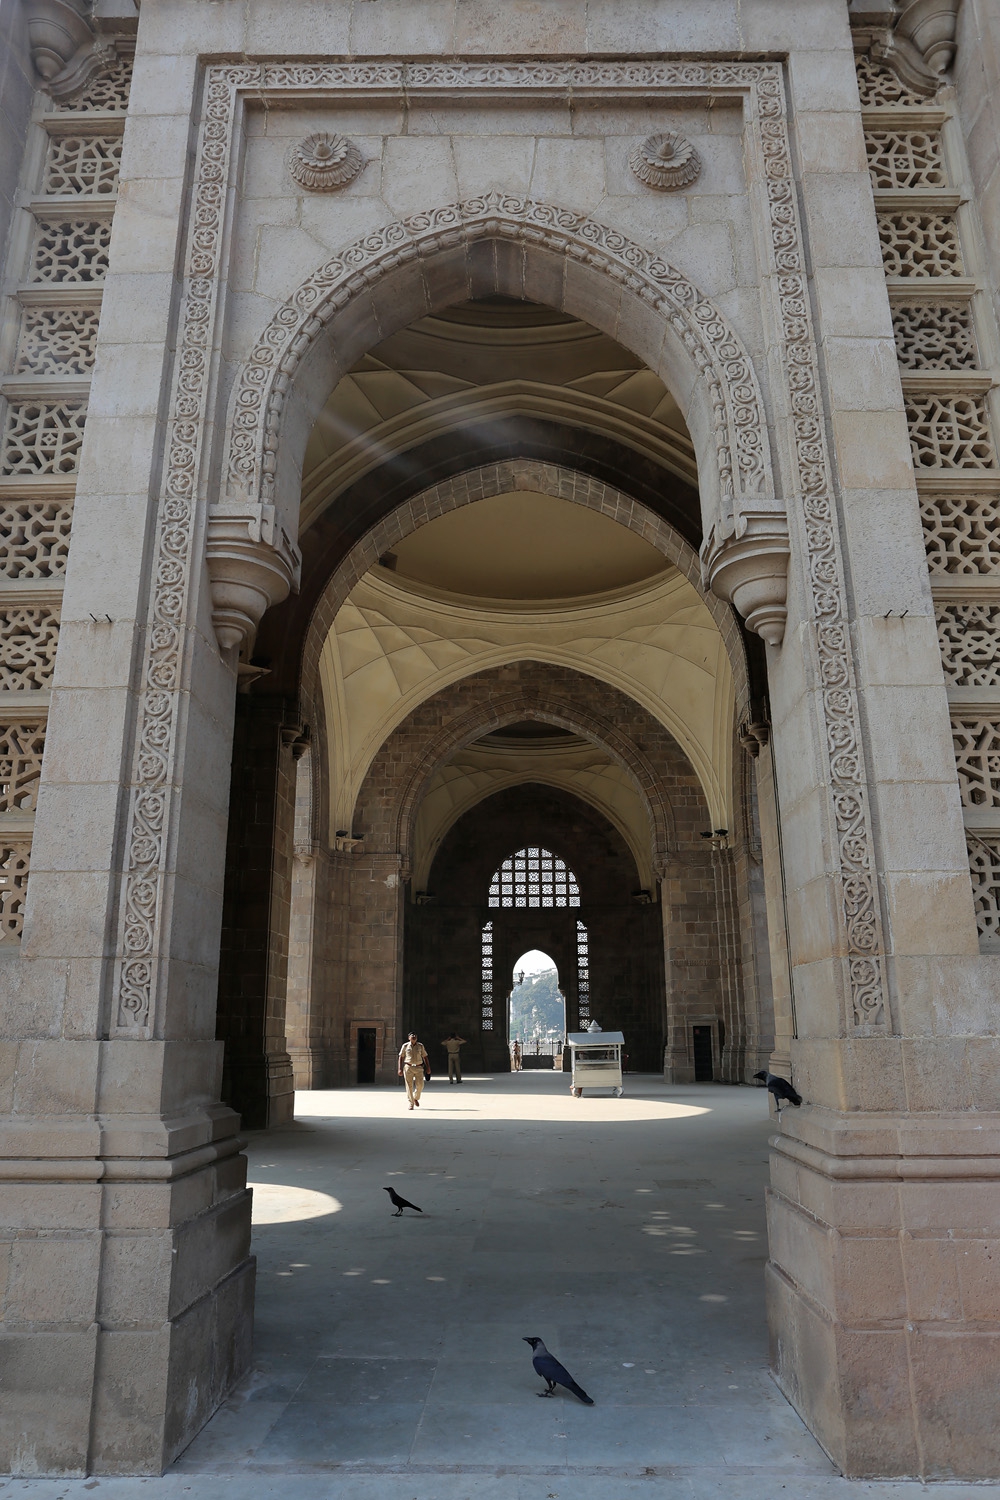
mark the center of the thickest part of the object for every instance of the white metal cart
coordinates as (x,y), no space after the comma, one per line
(597,1061)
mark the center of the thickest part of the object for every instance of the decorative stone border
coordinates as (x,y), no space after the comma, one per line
(739,415)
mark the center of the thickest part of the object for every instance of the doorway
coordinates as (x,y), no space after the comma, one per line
(366,1054)
(701,1045)
(536,1010)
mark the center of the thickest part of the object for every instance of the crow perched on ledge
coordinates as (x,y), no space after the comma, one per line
(400,1203)
(780,1088)
(553,1373)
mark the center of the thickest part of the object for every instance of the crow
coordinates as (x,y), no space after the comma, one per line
(400,1203)
(553,1373)
(780,1088)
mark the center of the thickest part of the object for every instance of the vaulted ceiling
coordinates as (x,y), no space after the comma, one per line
(469,367)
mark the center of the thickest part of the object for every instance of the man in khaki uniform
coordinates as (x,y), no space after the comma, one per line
(412,1056)
(453,1046)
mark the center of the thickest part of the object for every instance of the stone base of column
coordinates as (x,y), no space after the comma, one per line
(47,1392)
(155,1391)
(310,1067)
(260,1087)
(883,1297)
(677,1066)
(128,1279)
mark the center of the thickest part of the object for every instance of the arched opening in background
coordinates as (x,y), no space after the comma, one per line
(529,489)
(536,1006)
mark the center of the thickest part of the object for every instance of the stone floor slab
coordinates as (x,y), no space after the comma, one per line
(629,1234)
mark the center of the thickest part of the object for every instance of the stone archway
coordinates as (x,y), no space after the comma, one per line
(467,488)
(518,248)
(417,264)
(706,958)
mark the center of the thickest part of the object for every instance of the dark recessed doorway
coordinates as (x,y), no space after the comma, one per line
(366,1054)
(701,1039)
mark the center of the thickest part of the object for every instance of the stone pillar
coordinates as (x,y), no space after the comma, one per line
(885,1208)
(253,968)
(129,1285)
(779,1060)
(375,951)
(689,896)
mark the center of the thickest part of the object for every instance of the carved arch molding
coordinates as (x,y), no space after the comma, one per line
(246,518)
(547,698)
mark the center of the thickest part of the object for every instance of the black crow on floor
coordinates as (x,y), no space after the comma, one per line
(400,1203)
(780,1088)
(553,1373)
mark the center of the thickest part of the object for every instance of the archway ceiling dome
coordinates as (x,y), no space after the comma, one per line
(343,464)
(389,650)
(522,546)
(435,371)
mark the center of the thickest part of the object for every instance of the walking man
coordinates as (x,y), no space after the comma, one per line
(412,1059)
(452,1044)
(515,1058)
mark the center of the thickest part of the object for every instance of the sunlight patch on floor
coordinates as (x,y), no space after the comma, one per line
(482,1104)
(280,1203)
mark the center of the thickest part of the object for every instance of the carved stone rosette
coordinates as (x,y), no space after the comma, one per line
(251,565)
(665,161)
(748,567)
(322,163)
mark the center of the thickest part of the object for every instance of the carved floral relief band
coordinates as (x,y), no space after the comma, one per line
(740,444)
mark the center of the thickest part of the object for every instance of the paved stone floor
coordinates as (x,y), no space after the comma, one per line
(389,1365)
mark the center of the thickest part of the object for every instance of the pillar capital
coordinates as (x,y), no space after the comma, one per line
(252,564)
(746,564)
(65,47)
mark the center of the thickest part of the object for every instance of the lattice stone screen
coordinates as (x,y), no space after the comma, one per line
(21,747)
(42,429)
(949,432)
(941,334)
(29,635)
(109,91)
(15,855)
(83,164)
(934,336)
(34,538)
(961,532)
(43,437)
(582,975)
(70,250)
(534,877)
(984,867)
(904,159)
(977,757)
(967,635)
(879,85)
(920,244)
(57,341)
(487,981)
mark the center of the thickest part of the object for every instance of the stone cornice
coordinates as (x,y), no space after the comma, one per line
(915,39)
(66,48)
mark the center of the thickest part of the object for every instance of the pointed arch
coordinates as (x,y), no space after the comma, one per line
(523,248)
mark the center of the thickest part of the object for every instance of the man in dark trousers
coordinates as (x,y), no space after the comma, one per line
(452,1044)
